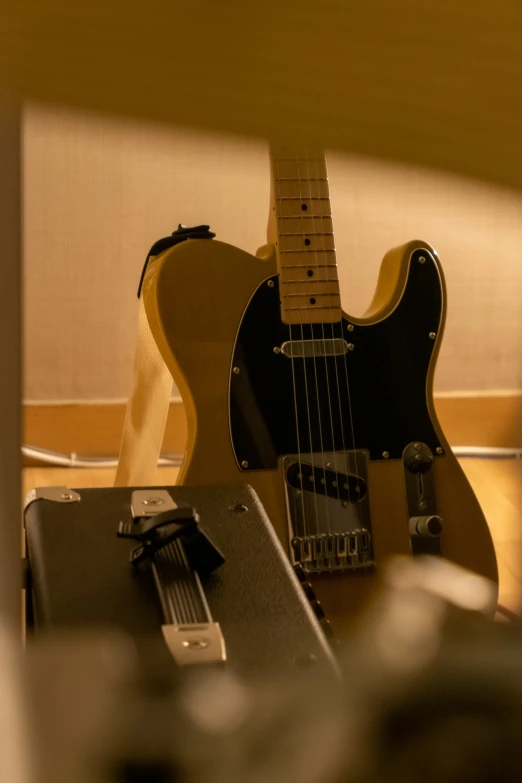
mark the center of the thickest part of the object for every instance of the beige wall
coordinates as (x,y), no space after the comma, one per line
(99,192)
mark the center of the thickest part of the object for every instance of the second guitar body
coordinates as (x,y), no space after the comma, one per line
(332,423)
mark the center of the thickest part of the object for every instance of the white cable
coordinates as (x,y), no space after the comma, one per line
(488,452)
(73,461)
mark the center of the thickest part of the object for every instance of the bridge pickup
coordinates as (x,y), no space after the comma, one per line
(328,510)
(301,349)
(324,481)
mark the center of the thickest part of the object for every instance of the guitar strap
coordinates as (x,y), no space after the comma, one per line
(148,405)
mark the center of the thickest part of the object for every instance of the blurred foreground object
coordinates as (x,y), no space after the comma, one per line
(431,83)
(15,742)
(432,692)
(11,352)
(99,719)
(438,695)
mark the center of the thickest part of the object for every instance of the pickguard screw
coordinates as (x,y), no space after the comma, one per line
(270,284)
(439,450)
(351,346)
(328,464)
(344,504)
(422,260)
(66,496)
(350,327)
(244,464)
(433,335)
(236,370)
(240,508)
(277,349)
(386,454)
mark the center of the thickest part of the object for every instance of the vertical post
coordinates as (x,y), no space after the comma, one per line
(10,361)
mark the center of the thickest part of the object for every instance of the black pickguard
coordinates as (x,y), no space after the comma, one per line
(373,397)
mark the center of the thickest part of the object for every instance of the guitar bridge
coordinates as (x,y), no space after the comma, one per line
(333,551)
(328,511)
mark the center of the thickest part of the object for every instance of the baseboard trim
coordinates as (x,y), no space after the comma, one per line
(94,429)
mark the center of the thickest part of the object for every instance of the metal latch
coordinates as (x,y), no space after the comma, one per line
(195,643)
(56,494)
(149,502)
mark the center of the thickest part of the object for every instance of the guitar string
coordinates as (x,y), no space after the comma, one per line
(345,362)
(312,461)
(319,412)
(336,365)
(276,169)
(327,277)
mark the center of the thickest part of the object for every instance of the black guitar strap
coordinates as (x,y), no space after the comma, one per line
(181,234)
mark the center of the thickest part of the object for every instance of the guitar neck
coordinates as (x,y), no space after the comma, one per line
(301,228)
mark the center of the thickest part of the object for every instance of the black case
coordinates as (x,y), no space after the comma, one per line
(80,575)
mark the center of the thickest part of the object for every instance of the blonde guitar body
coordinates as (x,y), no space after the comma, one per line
(196,295)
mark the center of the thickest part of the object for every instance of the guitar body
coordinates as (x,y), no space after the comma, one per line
(356,404)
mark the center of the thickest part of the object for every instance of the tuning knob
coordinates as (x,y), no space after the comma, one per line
(418,457)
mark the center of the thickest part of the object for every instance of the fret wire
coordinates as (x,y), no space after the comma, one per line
(303,198)
(312,280)
(300,179)
(309,250)
(306,217)
(314,307)
(309,234)
(299,160)
(307,266)
(313,293)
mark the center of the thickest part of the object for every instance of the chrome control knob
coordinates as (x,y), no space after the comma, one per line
(429,526)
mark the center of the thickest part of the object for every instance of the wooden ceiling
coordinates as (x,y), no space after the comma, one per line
(435,82)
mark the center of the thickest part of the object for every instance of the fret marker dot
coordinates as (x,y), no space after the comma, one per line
(307,242)
(310,273)
(304,207)
(312,300)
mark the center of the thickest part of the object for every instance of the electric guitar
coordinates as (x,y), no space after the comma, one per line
(329,417)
